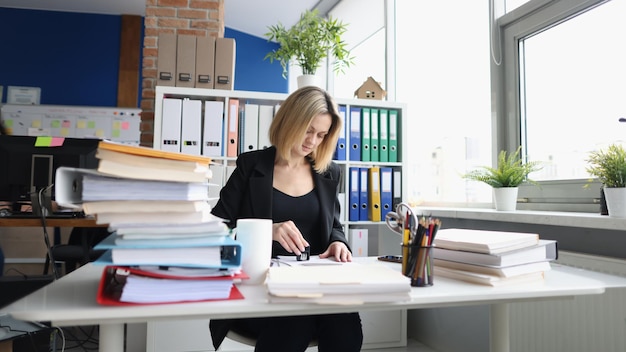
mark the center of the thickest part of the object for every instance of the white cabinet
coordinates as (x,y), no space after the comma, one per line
(381,329)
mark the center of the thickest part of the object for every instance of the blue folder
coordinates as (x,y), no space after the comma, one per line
(363,196)
(355,133)
(355,204)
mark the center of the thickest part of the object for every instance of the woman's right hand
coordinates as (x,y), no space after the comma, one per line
(287,234)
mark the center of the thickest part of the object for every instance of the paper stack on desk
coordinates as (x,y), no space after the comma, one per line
(345,283)
(157,207)
(493,258)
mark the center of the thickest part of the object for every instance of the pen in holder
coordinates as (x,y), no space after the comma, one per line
(419,264)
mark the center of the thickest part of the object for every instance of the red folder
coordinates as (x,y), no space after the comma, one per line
(111,285)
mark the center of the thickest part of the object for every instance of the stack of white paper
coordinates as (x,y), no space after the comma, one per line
(493,258)
(352,283)
(141,289)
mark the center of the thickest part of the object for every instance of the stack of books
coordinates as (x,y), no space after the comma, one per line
(325,281)
(165,245)
(493,258)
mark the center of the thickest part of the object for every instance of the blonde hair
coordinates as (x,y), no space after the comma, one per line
(294,118)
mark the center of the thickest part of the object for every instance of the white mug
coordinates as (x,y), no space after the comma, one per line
(255,237)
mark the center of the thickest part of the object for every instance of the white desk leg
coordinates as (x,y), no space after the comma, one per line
(111,338)
(499,328)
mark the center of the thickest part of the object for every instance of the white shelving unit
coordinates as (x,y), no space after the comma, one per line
(264,98)
(381,329)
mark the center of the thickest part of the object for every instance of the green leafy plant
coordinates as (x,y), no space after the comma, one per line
(511,171)
(308,42)
(609,166)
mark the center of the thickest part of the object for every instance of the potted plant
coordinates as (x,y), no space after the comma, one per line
(308,42)
(505,178)
(609,166)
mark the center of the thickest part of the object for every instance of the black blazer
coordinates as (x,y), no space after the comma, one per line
(248,194)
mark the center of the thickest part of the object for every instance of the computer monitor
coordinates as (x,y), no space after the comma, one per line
(26,168)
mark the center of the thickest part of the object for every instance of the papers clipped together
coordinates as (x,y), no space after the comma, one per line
(345,283)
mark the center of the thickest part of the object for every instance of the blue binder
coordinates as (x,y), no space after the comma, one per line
(363,196)
(353,214)
(340,151)
(355,133)
(366,151)
(386,191)
(230,250)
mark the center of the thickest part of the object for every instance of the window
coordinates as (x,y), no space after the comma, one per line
(442,74)
(567,70)
(441,66)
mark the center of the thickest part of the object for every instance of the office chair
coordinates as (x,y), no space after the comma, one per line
(79,248)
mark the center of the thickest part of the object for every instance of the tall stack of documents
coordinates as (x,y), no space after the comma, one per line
(163,233)
(492,258)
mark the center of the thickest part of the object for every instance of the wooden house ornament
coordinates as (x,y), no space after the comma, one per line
(370,89)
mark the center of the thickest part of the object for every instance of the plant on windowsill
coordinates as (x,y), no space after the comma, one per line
(609,166)
(308,42)
(505,178)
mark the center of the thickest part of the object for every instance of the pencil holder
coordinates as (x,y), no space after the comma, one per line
(418,264)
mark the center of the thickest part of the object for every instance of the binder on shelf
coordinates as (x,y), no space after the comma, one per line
(233,127)
(374,211)
(374,141)
(363,194)
(354,194)
(225,53)
(397,188)
(383,135)
(386,191)
(191,127)
(365,135)
(213,135)
(266,115)
(340,151)
(205,62)
(185,61)
(166,60)
(250,127)
(393,136)
(171,124)
(355,133)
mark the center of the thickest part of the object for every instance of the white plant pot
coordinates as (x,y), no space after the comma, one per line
(505,198)
(616,201)
(309,80)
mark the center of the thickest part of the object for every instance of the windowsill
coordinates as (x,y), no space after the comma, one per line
(554,218)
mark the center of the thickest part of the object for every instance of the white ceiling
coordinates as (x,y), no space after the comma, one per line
(248,16)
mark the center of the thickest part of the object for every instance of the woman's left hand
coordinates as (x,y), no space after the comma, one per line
(339,251)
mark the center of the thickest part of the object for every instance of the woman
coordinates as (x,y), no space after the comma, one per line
(294,183)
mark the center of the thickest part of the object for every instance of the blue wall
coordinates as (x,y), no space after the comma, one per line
(74,57)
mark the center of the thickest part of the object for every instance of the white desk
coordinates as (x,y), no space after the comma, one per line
(70,301)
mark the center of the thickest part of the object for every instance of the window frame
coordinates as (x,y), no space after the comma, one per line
(579,195)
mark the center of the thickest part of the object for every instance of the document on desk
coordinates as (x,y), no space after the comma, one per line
(337,284)
(483,241)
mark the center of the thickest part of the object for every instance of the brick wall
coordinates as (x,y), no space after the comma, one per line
(192,17)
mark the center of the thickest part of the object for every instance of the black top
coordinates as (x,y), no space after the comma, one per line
(304,211)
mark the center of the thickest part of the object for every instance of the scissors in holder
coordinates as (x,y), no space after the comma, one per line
(402,219)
